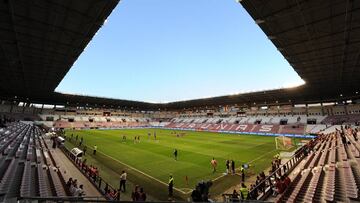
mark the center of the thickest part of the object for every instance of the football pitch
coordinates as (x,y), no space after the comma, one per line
(154,159)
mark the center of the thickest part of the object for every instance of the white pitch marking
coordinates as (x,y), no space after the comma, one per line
(149,176)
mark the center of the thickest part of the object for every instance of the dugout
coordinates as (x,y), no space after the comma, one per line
(76,152)
(60,140)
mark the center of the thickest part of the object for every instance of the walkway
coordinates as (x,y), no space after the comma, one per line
(68,170)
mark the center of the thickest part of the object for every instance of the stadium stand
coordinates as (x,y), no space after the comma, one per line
(329,171)
(26,166)
(341,119)
(319,39)
(313,129)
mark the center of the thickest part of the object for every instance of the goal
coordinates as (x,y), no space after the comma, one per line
(283,143)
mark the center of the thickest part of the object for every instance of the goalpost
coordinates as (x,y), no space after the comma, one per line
(283,143)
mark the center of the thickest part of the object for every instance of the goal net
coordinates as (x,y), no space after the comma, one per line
(283,143)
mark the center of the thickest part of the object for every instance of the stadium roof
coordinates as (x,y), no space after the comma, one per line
(40,41)
(319,38)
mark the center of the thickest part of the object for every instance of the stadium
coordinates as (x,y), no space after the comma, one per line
(291,144)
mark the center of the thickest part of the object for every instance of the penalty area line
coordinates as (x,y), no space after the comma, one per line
(261,156)
(257,158)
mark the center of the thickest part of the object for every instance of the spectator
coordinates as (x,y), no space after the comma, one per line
(142,195)
(79,191)
(284,168)
(75,181)
(257,180)
(235,196)
(108,195)
(113,194)
(73,188)
(204,189)
(135,194)
(279,186)
(273,167)
(262,175)
(196,194)
(95,174)
(287,181)
(254,194)
(69,183)
(83,164)
(117,198)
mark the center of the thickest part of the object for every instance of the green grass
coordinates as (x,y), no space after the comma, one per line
(195,151)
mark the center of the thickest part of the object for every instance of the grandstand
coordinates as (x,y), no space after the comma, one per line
(27,167)
(319,39)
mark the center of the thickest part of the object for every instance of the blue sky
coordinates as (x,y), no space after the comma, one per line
(167,50)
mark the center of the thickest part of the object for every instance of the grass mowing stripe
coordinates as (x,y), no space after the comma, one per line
(196,149)
(149,176)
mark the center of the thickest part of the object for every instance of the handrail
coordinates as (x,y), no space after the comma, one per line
(98,199)
(229,198)
(97,181)
(289,166)
(64,199)
(87,199)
